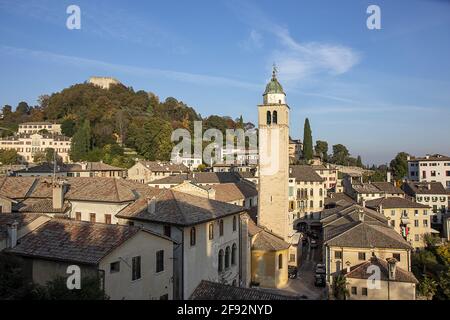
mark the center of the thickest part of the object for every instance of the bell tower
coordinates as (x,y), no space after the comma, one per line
(273,193)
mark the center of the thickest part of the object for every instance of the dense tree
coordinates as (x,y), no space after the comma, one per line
(56,289)
(115,116)
(399,166)
(22,108)
(307,141)
(9,156)
(68,127)
(340,154)
(339,287)
(321,149)
(7,111)
(13,282)
(151,138)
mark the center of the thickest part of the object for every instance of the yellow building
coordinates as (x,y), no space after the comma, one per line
(353,234)
(410,219)
(269,258)
(394,283)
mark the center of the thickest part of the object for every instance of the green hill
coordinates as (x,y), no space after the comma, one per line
(103,122)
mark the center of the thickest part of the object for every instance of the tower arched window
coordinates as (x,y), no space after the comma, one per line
(220,264)
(275,117)
(227,257)
(280,261)
(269,117)
(234,223)
(311,192)
(233,254)
(320,192)
(311,204)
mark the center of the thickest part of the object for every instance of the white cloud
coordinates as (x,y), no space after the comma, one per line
(299,60)
(296,60)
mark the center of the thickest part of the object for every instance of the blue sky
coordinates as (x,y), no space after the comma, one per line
(376,91)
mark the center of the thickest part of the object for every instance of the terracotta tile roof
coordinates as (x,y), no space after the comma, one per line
(159,166)
(200,177)
(33,205)
(267,241)
(364,235)
(16,187)
(71,167)
(394,202)
(179,208)
(338,199)
(361,271)
(264,239)
(387,187)
(366,188)
(74,241)
(343,227)
(253,229)
(228,192)
(91,189)
(95,166)
(21,218)
(304,173)
(351,213)
(414,188)
(208,290)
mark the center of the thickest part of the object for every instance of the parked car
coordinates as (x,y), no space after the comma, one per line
(320,268)
(319,280)
(313,243)
(292,272)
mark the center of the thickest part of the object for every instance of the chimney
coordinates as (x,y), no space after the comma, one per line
(151,205)
(388,176)
(392,268)
(12,234)
(348,264)
(361,215)
(363,203)
(58,190)
(290,170)
(429,186)
(212,193)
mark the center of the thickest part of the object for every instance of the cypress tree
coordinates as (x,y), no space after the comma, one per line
(307,141)
(81,142)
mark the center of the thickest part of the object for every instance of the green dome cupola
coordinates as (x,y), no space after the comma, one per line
(274,93)
(274,86)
